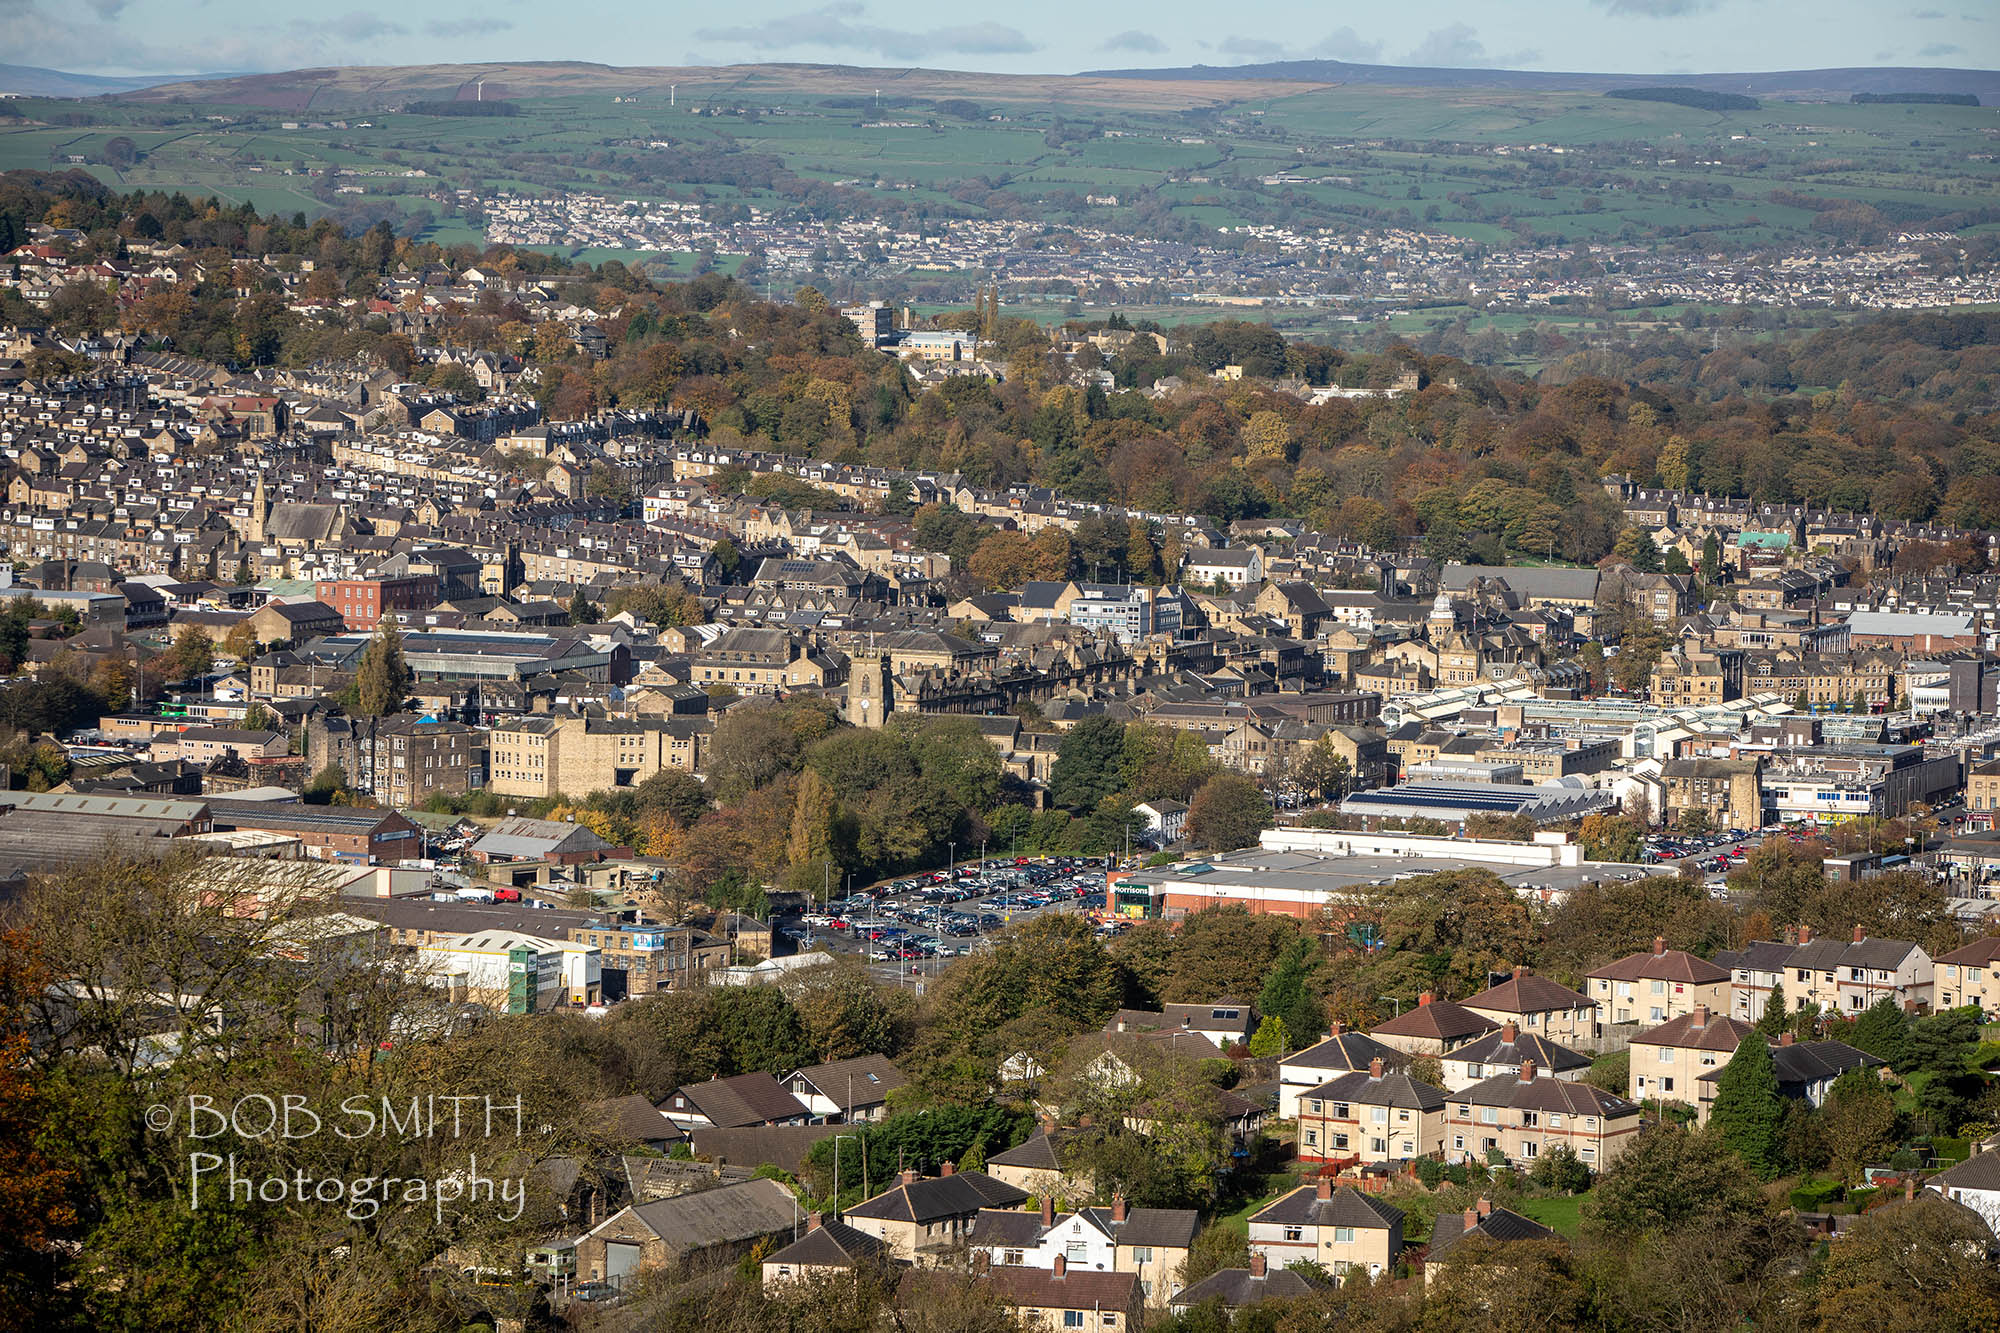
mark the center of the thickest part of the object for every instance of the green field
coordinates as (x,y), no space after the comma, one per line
(1499,168)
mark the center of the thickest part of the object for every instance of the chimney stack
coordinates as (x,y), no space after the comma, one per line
(1257,1264)
(1375,1067)
(1527,1071)
(908,1178)
(1061,1266)
(1785,1039)
(1048,1124)
(1338,1028)
(1486,1207)
(1909,1188)
(1519,971)
(1048,1210)
(1324,1189)
(946,1168)
(1805,934)
(1424,999)
(1659,945)
(1510,1032)
(1700,1016)
(813,1221)
(1471,1218)
(1118,1209)
(1859,935)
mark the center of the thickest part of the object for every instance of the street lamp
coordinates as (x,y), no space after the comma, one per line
(1396,1000)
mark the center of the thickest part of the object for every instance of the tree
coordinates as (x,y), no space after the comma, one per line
(1668,1178)
(1290,995)
(1271,1038)
(258,718)
(727,557)
(1227,813)
(1771,1023)
(1883,1030)
(581,612)
(1920,1264)
(1560,1169)
(382,680)
(1711,559)
(1322,771)
(1749,1112)
(192,654)
(1088,764)
(1857,1123)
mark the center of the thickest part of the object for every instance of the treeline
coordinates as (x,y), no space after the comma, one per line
(1917,99)
(478,107)
(1699,98)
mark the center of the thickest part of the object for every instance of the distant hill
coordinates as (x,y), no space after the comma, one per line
(1814,84)
(358,88)
(29,81)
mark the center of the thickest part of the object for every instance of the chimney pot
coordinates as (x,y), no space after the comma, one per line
(1527,1071)
(1061,1265)
(908,1178)
(1118,1208)
(1048,1210)
(1338,1028)
(946,1169)
(1324,1189)
(1785,1039)
(1375,1067)
(1257,1264)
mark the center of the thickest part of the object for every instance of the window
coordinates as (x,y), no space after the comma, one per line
(1530,1148)
(1295,1233)
(1489,1115)
(1012,1257)
(1378,1145)
(1072,1319)
(1458,1142)
(1659,988)
(1666,1055)
(1343,1235)
(1312,1138)
(1076,1252)
(1142,1254)
(1318,1106)
(1379,1114)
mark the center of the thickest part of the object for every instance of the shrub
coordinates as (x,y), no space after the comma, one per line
(1814,1196)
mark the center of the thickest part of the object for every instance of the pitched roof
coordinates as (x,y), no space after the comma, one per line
(1500,1224)
(1527,993)
(1162,1228)
(1440,1019)
(864,1080)
(718,1216)
(1386,1089)
(831,1244)
(1497,1048)
(1076,1289)
(746,1099)
(931,1198)
(1345,1207)
(783,1146)
(1980,953)
(1346,1050)
(1981,1171)
(1040,1151)
(1812,1062)
(1238,1287)
(1713,1032)
(1662,964)
(1545,1094)
(633,1118)
(1008,1226)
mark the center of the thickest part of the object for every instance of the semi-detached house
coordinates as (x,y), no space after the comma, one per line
(1840,976)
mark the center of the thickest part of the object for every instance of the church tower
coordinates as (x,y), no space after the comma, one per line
(260,513)
(870,691)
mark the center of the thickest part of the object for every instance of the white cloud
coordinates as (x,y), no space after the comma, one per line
(1347,44)
(1253,47)
(833,28)
(1459,47)
(1134,40)
(1655,9)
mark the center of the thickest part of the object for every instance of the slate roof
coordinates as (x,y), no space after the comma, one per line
(1980,953)
(1038,1152)
(783,1146)
(1348,1050)
(1008,1226)
(1346,1207)
(1496,1048)
(831,1244)
(1162,1228)
(720,1216)
(634,1118)
(1545,1094)
(1387,1090)
(1981,1171)
(868,1079)
(1812,1062)
(1501,1224)
(1237,1287)
(747,1099)
(932,1198)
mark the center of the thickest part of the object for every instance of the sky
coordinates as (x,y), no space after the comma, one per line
(1023,36)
